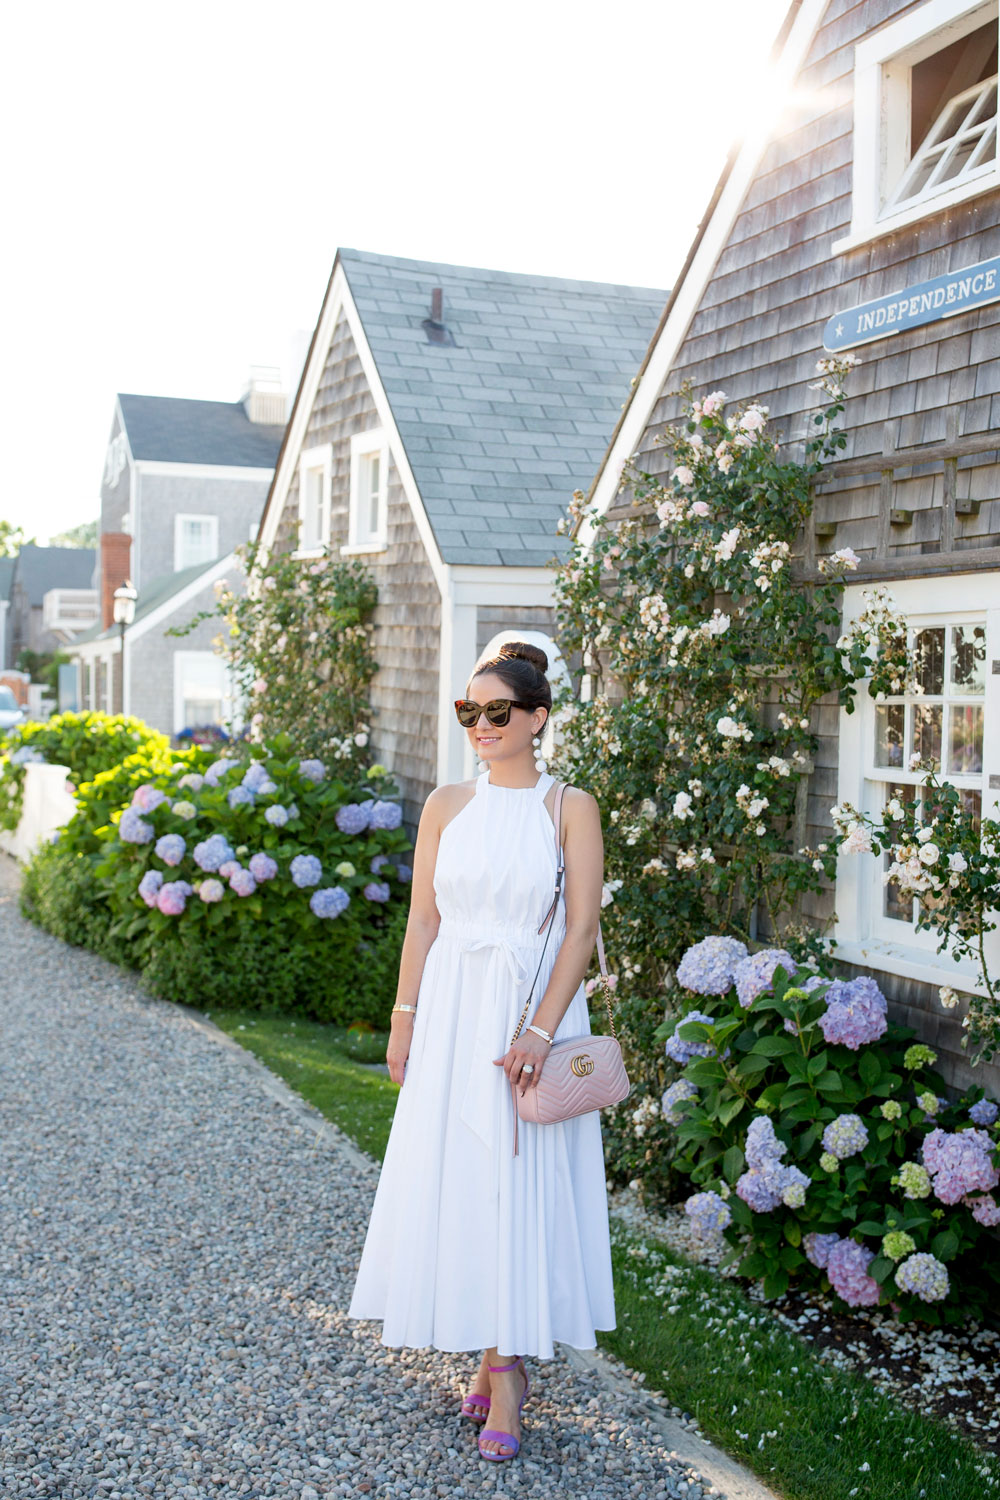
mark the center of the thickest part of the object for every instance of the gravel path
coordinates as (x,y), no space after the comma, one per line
(177,1248)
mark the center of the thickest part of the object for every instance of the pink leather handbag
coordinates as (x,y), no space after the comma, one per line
(580,1073)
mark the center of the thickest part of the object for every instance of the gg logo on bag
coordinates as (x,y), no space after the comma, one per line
(582,1065)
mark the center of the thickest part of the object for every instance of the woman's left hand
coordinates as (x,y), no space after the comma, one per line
(530,1049)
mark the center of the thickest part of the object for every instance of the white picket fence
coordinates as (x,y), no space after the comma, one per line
(47,806)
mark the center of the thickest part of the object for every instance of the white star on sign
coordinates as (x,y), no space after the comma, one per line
(840,330)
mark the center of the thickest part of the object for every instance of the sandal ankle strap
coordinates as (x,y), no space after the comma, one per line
(498,1369)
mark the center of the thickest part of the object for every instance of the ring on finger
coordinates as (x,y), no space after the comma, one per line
(527,1067)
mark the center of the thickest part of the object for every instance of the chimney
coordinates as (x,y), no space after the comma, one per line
(437,304)
(264,400)
(116,549)
(434,326)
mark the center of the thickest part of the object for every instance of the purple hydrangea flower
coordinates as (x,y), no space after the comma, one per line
(172,897)
(212,852)
(708,967)
(352,818)
(149,885)
(218,769)
(845,1136)
(709,1214)
(306,870)
(229,867)
(818,1247)
(312,770)
(855,1013)
(404,873)
(239,796)
(675,1097)
(277,815)
(959,1163)
(767,1182)
(386,815)
(682,1051)
(377,890)
(761,1143)
(211,890)
(329,902)
(263,867)
(757,1191)
(847,1267)
(755,973)
(255,776)
(923,1275)
(378,862)
(242,882)
(985,1210)
(147,797)
(133,829)
(983,1112)
(171,848)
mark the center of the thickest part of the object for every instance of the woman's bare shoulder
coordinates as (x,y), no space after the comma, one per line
(445,801)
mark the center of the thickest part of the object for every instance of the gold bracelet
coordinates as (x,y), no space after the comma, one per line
(411,1008)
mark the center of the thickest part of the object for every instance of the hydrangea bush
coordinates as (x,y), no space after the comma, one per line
(820,1140)
(298,643)
(86,743)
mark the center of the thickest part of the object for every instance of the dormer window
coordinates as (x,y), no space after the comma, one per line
(925,116)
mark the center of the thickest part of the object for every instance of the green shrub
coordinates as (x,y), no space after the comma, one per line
(821,1139)
(86,743)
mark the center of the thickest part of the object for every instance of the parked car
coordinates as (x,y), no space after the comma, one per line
(11,712)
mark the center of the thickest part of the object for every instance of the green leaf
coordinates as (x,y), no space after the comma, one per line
(732,1163)
(829,1082)
(776,1284)
(793,1231)
(881,1268)
(817,1064)
(773,1046)
(869,1067)
(945,1245)
(870,1226)
(732,1107)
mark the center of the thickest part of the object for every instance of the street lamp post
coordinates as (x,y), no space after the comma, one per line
(124,597)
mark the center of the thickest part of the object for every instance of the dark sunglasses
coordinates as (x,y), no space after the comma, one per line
(497,711)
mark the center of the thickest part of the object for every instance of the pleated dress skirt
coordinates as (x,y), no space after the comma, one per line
(469,1246)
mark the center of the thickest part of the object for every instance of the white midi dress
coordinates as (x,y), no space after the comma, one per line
(469,1246)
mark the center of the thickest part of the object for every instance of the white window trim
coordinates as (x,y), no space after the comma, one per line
(363,443)
(180,660)
(881,95)
(320,457)
(179,520)
(859,876)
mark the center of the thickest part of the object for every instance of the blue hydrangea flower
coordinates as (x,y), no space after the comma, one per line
(240,796)
(133,828)
(242,882)
(330,901)
(386,815)
(211,890)
(709,1215)
(984,1112)
(675,1097)
(27,755)
(378,862)
(212,852)
(262,867)
(923,1275)
(352,818)
(855,1012)
(277,815)
(218,769)
(306,870)
(377,890)
(709,966)
(845,1136)
(818,1246)
(682,1051)
(149,886)
(171,848)
(255,776)
(312,770)
(755,974)
(404,873)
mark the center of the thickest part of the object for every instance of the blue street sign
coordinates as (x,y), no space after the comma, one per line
(943,297)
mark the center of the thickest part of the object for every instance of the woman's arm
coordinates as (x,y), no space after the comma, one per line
(421,926)
(583,849)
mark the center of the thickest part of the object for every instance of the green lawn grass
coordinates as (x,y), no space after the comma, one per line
(756,1388)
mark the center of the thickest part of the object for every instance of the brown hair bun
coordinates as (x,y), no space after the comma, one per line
(525,651)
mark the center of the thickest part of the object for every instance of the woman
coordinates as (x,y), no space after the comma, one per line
(469,1245)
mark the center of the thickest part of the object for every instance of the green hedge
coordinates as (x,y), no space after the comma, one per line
(86,743)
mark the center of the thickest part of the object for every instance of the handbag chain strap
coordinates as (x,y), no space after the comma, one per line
(550,918)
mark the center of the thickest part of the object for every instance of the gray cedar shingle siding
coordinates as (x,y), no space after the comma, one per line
(170,429)
(519,410)
(757,333)
(408,615)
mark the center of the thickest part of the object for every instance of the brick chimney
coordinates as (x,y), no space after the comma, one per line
(116,550)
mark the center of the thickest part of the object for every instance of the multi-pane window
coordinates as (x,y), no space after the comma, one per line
(196,541)
(369,464)
(201,689)
(962,144)
(938,726)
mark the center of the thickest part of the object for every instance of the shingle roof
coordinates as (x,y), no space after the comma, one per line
(42,568)
(152,596)
(6,576)
(501,427)
(171,429)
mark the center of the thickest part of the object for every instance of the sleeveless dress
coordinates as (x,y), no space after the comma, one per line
(469,1246)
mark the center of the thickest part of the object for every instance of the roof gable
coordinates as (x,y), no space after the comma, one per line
(39,569)
(172,429)
(510,418)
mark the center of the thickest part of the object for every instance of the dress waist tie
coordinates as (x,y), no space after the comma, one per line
(486,1089)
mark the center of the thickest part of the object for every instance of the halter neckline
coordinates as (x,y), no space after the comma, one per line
(543,783)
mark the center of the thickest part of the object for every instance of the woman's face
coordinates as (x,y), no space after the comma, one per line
(511,739)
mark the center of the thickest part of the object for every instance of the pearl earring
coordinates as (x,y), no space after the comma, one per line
(540,762)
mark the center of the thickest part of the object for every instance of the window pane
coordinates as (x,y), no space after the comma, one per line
(201,711)
(965,739)
(889,719)
(895,906)
(927,733)
(972,803)
(373,479)
(968,660)
(959,159)
(929,651)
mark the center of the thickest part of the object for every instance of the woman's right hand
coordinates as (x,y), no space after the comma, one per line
(398,1050)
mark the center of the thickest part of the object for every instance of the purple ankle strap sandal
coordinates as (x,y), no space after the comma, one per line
(491,1434)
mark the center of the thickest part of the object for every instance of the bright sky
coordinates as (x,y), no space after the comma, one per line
(178,177)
